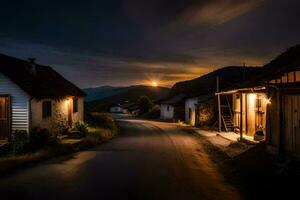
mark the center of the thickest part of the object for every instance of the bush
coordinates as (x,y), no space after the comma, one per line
(80,126)
(103,120)
(40,138)
(154,113)
(145,105)
(20,142)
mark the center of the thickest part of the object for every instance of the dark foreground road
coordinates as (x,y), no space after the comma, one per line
(149,160)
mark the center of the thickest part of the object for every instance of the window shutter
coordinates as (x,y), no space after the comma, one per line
(75,105)
(47,109)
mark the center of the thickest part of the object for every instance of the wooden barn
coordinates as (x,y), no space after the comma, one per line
(33,95)
(268,107)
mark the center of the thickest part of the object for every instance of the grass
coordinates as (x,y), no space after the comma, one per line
(95,136)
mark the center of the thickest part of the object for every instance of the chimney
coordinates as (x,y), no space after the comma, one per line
(32,65)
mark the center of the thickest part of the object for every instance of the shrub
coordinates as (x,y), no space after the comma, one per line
(103,120)
(20,142)
(145,104)
(40,138)
(80,126)
(154,113)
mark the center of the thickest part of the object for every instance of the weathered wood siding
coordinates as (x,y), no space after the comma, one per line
(292,124)
(19,104)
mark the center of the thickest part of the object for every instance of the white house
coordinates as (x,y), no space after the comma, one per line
(171,109)
(190,110)
(166,111)
(118,109)
(33,95)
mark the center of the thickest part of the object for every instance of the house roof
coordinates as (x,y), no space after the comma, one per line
(175,100)
(43,82)
(285,62)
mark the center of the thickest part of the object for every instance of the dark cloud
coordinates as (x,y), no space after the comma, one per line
(121,42)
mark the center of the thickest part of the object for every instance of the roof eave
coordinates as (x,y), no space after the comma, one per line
(251,89)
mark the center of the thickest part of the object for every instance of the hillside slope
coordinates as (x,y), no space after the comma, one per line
(128,94)
(101,92)
(206,84)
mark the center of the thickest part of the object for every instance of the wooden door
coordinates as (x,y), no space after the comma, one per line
(292,124)
(251,107)
(70,110)
(4,118)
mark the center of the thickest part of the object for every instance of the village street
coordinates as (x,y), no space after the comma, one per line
(149,160)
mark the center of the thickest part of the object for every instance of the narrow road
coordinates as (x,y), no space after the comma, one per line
(149,160)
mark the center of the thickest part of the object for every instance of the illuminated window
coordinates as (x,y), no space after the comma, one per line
(298,76)
(75,105)
(47,109)
(291,77)
(284,79)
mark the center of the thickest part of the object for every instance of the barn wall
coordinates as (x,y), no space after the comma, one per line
(164,113)
(190,104)
(19,104)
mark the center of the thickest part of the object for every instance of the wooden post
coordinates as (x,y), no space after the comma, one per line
(241,117)
(219,106)
(246,114)
(281,123)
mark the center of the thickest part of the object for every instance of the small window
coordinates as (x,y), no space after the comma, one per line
(75,105)
(297,76)
(284,79)
(47,109)
(168,108)
(291,77)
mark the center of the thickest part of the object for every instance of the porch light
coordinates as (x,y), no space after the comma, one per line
(68,101)
(267,101)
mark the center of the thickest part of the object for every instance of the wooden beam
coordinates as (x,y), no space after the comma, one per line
(246,113)
(219,106)
(241,117)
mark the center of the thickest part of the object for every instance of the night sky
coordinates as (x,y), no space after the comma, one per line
(115,42)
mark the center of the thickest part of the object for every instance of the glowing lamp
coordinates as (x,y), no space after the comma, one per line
(267,101)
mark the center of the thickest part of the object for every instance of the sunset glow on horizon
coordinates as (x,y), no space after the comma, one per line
(154,84)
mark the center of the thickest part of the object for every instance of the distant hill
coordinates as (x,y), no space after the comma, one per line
(101,92)
(124,94)
(206,84)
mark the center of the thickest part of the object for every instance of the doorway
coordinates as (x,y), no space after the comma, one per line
(4,117)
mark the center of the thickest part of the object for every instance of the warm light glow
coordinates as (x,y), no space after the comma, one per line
(154,83)
(267,101)
(68,101)
(252,98)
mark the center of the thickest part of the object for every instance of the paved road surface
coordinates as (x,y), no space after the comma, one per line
(149,160)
